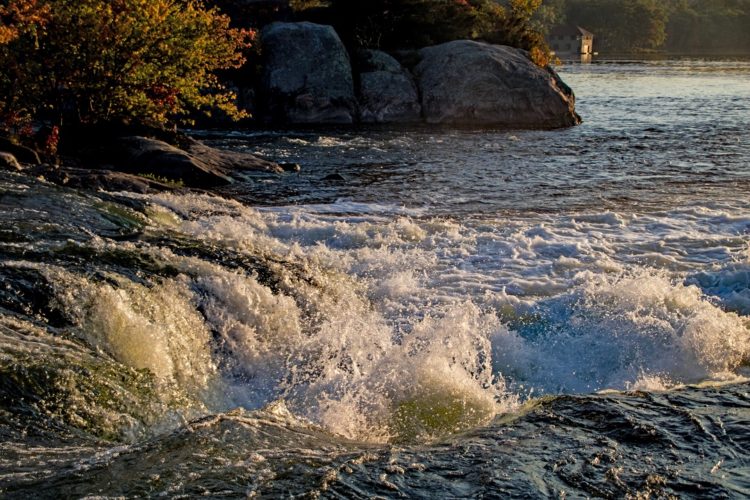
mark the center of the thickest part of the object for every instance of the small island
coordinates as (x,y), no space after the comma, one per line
(93,92)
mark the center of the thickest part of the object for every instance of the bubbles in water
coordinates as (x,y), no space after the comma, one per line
(622,333)
(399,328)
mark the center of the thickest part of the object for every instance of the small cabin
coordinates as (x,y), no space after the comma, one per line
(571,41)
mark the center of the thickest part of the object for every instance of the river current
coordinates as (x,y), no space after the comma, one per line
(419,312)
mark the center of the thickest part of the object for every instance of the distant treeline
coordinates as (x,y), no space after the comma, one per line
(675,26)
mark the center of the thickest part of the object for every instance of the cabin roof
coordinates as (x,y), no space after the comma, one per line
(570,30)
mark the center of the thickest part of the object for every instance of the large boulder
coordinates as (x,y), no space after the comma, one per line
(473,83)
(307,75)
(387,93)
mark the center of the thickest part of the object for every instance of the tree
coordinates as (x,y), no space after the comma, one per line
(92,61)
(716,26)
(19,19)
(400,24)
(20,16)
(550,13)
(621,25)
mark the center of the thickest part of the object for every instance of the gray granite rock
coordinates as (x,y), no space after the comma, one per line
(307,77)
(387,92)
(473,83)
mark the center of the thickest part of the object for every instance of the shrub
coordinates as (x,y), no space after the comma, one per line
(93,61)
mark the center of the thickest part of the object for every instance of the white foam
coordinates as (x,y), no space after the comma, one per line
(618,333)
(156,328)
(376,320)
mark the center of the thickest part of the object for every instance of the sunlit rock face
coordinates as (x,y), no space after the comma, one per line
(307,76)
(196,165)
(387,92)
(8,162)
(473,83)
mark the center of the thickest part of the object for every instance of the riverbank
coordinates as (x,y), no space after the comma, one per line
(309,80)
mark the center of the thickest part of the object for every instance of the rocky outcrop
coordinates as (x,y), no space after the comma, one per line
(9,162)
(145,165)
(474,83)
(99,180)
(196,166)
(144,156)
(307,76)
(387,93)
(307,79)
(225,161)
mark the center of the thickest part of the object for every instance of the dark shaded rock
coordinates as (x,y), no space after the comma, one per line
(473,83)
(141,155)
(195,166)
(307,77)
(22,153)
(9,162)
(120,145)
(99,179)
(108,180)
(334,178)
(387,93)
(225,161)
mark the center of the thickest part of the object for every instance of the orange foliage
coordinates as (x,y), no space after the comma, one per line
(19,16)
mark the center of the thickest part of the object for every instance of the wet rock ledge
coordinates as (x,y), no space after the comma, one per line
(137,163)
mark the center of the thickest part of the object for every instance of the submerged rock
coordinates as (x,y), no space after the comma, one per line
(473,83)
(335,177)
(387,92)
(307,76)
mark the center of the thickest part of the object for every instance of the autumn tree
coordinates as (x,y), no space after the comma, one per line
(20,16)
(93,61)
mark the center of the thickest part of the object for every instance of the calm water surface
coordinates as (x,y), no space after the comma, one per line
(417,313)
(652,132)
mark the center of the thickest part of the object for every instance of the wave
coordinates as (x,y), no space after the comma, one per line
(393,329)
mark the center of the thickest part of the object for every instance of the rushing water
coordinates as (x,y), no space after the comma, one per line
(418,312)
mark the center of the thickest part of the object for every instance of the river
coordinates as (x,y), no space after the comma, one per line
(419,312)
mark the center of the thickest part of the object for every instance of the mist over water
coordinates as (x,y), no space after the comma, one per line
(456,313)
